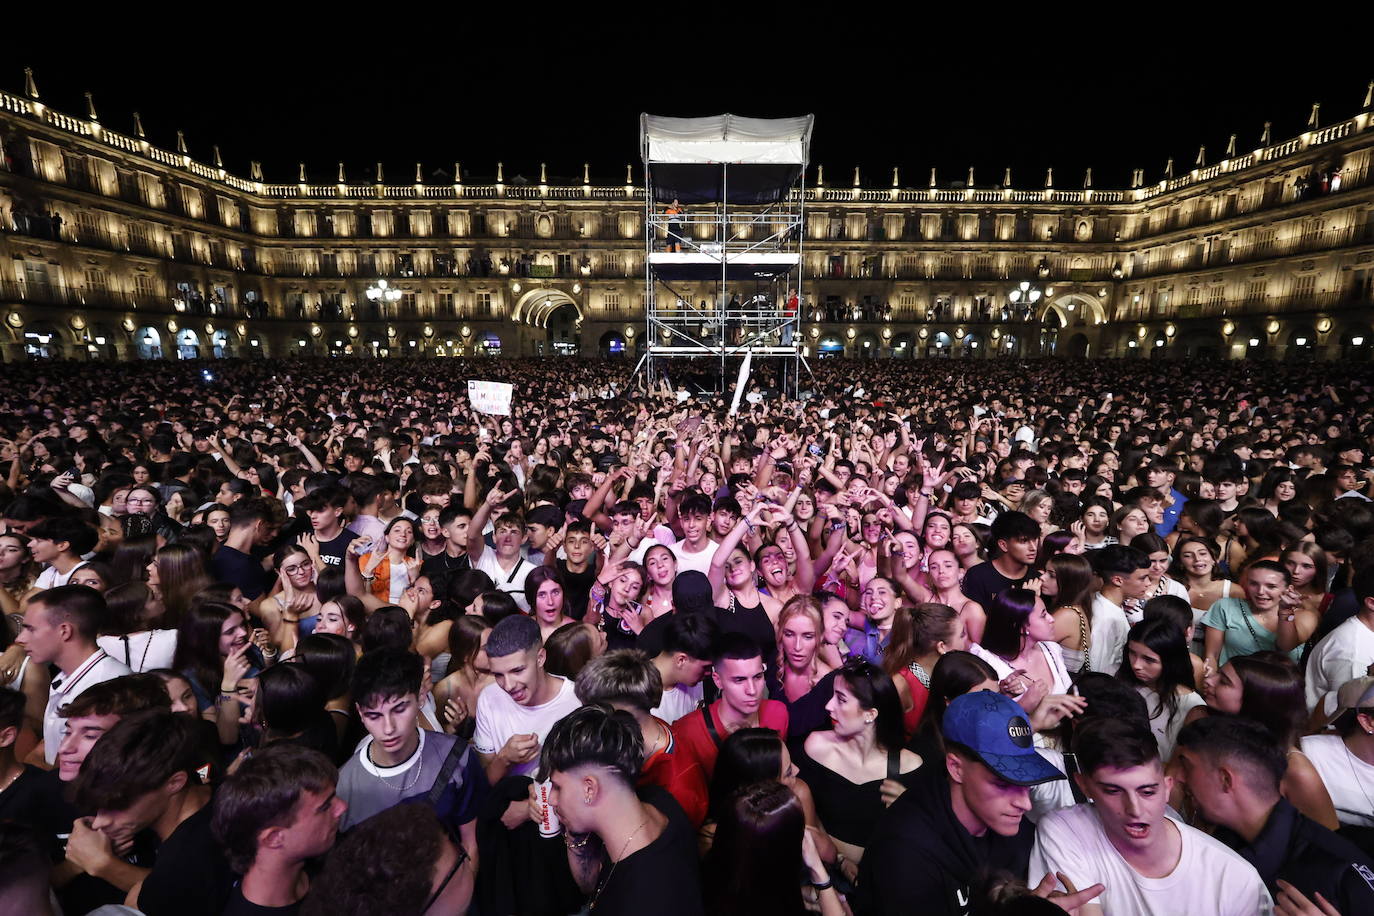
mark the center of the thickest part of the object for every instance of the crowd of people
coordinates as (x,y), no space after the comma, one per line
(939,637)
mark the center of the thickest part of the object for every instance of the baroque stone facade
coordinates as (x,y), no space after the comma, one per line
(111,248)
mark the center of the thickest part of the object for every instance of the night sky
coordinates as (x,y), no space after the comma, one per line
(884,93)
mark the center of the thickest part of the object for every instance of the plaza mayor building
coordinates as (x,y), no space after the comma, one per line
(112,248)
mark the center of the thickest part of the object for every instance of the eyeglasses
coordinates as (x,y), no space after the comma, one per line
(462,857)
(292,570)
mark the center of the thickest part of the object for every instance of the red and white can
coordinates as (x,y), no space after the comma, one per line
(549,824)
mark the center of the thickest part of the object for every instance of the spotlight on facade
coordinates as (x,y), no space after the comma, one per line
(1254,341)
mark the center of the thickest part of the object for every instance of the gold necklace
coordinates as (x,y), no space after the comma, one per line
(615,862)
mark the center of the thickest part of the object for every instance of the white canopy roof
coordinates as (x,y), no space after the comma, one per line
(726,138)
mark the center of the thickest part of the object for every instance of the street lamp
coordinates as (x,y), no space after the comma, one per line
(1026,296)
(381,294)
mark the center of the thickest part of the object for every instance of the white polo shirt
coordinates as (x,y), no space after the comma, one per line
(65,688)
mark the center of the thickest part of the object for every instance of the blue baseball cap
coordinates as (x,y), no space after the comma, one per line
(996,730)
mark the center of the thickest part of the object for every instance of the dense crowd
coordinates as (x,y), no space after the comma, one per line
(938,637)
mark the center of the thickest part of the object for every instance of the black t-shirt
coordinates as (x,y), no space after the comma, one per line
(577,588)
(190,874)
(238,568)
(662,878)
(332,551)
(983,582)
(238,906)
(441,562)
(618,636)
(807,713)
(35,799)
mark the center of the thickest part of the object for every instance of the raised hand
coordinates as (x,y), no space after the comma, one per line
(1071,898)
(236,665)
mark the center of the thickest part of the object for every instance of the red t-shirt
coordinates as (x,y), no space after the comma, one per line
(699,750)
(680,775)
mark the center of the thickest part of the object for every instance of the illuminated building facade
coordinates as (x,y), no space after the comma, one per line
(115,249)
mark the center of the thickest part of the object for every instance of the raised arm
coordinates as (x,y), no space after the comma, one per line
(896,571)
(470,482)
(294,441)
(716,573)
(230,464)
(594,511)
(805,577)
(476,542)
(1296,623)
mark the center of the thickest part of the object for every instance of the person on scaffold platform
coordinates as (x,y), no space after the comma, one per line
(789,314)
(677,228)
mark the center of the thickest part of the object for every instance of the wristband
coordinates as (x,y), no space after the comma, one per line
(823,885)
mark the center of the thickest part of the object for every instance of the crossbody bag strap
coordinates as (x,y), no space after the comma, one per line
(711,726)
(451,762)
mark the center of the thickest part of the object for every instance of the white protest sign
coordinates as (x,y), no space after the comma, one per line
(490,397)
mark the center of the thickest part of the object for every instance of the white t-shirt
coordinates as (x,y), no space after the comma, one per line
(51,578)
(142,651)
(700,561)
(1343,655)
(1109,635)
(512,582)
(1054,794)
(1166,727)
(499,717)
(1209,877)
(677,702)
(662,536)
(1349,780)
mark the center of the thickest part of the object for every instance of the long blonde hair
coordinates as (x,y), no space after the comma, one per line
(795,607)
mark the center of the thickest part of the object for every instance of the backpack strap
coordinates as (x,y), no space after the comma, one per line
(894,763)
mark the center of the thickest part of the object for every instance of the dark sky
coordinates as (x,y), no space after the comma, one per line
(908,93)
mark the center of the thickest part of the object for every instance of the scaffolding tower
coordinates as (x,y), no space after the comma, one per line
(723,231)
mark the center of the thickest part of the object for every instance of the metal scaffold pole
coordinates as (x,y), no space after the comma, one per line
(726,196)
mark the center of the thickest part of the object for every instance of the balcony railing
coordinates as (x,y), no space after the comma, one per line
(1263,249)
(94,132)
(1351,179)
(85,297)
(1260,305)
